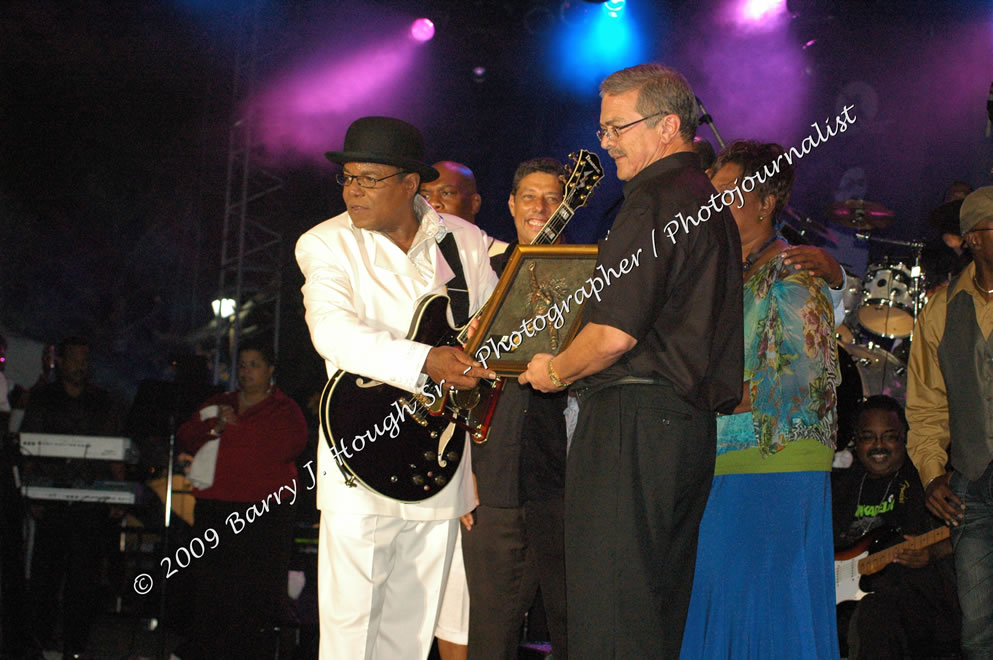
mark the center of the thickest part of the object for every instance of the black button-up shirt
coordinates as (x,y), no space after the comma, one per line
(682,301)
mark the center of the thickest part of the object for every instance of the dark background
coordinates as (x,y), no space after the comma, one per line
(114,120)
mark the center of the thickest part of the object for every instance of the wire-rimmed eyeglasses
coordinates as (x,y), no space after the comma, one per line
(614,131)
(363,180)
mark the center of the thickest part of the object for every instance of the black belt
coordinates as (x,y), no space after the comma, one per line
(584,393)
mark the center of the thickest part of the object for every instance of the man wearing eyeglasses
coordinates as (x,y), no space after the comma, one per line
(950,402)
(660,352)
(382,564)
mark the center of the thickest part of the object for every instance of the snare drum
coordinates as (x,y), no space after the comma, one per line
(887,307)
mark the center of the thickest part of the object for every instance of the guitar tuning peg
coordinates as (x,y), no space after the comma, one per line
(572,156)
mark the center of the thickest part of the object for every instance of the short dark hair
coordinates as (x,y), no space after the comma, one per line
(886,404)
(754,157)
(264,348)
(546,165)
(72,340)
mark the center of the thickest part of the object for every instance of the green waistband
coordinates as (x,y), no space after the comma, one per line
(806,455)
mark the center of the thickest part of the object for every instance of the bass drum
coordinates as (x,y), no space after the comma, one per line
(865,370)
(888,296)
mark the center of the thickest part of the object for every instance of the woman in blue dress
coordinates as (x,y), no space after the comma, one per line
(763,586)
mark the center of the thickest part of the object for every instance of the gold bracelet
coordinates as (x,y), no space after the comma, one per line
(554,377)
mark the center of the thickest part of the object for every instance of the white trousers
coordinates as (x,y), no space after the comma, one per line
(453,622)
(380,583)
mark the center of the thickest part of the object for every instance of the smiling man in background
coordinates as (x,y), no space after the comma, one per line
(912,603)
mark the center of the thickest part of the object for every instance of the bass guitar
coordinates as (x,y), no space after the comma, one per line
(854,562)
(396,443)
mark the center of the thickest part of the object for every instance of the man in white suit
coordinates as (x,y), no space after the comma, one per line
(382,563)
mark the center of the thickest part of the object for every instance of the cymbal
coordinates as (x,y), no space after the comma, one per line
(860,214)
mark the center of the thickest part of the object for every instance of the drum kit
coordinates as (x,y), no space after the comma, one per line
(880,311)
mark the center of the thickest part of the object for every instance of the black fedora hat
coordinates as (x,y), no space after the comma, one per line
(385,140)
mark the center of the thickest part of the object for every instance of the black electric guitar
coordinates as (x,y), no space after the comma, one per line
(397,443)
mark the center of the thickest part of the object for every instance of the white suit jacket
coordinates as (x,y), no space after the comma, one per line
(360,295)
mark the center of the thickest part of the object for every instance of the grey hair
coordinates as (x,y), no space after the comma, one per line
(660,89)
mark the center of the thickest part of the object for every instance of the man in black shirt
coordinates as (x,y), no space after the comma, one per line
(660,352)
(516,540)
(912,604)
(68,537)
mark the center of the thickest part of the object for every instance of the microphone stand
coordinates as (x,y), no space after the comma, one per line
(709,121)
(167,520)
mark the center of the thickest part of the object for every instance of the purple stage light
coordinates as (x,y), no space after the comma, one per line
(754,81)
(422,29)
(760,10)
(301,112)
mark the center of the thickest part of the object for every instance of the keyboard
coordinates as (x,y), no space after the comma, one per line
(90,447)
(106,492)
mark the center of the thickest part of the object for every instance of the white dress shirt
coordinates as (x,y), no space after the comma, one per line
(360,295)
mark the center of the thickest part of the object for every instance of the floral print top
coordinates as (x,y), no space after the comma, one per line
(791,366)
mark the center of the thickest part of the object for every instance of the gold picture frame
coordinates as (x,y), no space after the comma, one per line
(534,307)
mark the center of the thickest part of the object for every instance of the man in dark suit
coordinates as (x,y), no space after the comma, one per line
(514,541)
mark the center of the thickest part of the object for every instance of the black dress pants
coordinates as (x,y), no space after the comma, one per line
(241,585)
(904,619)
(509,554)
(637,479)
(69,548)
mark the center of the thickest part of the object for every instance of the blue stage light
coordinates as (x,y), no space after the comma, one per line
(613,8)
(593,44)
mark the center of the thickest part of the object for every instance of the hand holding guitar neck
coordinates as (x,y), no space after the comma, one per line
(912,557)
(451,366)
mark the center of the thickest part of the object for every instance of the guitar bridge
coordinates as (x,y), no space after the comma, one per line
(466,399)
(472,410)
(416,412)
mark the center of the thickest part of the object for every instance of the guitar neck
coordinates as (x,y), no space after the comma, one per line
(879,560)
(548,235)
(555,225)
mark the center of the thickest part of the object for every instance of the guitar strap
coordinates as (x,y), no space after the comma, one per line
(458,290)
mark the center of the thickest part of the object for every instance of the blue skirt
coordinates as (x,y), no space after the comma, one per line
(764,581)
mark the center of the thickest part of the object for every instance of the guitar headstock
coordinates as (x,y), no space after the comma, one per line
(586,174)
